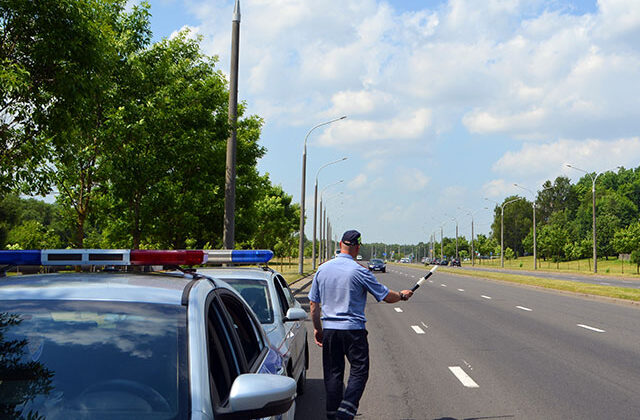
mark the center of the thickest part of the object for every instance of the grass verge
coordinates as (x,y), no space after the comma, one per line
(623,293)
(289,268)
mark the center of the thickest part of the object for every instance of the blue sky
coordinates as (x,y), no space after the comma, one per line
(448,102)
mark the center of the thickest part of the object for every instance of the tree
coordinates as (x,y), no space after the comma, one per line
(31,234)
(517,223)
(627,241)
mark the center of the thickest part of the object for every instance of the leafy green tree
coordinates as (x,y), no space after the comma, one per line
(79,128)
(509,254)
(517,223)
(31,234)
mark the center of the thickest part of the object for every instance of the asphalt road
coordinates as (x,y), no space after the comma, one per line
(467,348)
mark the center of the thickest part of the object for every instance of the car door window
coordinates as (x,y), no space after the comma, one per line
(224,365)
(246,328)
(291,301)
(282,297)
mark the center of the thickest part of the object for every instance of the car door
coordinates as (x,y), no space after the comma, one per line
(294,335)
(235,345)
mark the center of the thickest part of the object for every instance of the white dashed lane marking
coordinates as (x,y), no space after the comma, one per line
(398,309)
(417,329)
(463,377)
(443,285)
(598,330)
(460,290)
(486,297)
(524,308)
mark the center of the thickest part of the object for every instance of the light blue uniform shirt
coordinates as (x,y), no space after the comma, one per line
(340,286)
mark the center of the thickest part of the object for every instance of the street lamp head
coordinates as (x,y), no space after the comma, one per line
(343,117)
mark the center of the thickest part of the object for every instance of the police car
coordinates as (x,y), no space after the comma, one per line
(280,314)
(139,345)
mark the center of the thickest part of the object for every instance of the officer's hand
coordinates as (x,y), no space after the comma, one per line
(407,293)
(317,336)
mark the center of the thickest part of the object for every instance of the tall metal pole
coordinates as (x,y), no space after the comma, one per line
(473,253)
(320,227)
(502,236)
(593,198)
(441,245)
(228,236)
(302,197)
(315,209)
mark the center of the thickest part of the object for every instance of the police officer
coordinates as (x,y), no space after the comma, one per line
(337,298)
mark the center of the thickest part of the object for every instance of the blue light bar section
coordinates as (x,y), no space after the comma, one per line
(21,257)
(251,255)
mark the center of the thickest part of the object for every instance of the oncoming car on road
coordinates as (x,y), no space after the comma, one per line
(377,264)
(133,345)
(280,314)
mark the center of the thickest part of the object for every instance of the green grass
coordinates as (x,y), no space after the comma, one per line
(612,266)
(563,285)
(289,268)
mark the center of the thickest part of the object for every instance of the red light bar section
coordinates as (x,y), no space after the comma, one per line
(173,257)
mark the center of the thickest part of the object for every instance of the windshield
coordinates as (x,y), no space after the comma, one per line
(376,261)
(92,360)
(256,293)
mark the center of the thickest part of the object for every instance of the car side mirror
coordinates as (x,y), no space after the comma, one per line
(295,314)
(255,395)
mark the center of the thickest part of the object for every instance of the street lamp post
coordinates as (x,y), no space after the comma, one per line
(304,179)
(456,220)
(593,197)
(471,213)
(535,254)
(502,227)
(315,209)
(321,244)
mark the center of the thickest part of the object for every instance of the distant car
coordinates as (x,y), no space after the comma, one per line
(377,265)
(405,260)
(444,261)
(455,262)
(359,257)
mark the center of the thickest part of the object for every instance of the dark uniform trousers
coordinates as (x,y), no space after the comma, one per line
(336,345)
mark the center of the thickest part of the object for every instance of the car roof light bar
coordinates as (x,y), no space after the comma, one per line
(85,257)
(123,257)
(171,257)
(20,257)
(238,256)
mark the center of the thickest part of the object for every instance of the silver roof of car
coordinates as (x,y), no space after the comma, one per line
(126,287)
(240,272)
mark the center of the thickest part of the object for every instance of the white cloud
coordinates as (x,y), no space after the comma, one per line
(358,182)
(538,161)
(412,179)
(351,131)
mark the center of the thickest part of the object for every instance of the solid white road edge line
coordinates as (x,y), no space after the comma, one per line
(524,308)
(590,328)
(398,309)
(417,329)
(463,377)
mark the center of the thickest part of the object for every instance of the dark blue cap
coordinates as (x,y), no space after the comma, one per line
(351,238)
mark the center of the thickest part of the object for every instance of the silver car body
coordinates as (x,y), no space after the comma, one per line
(156,288)
(289,337)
